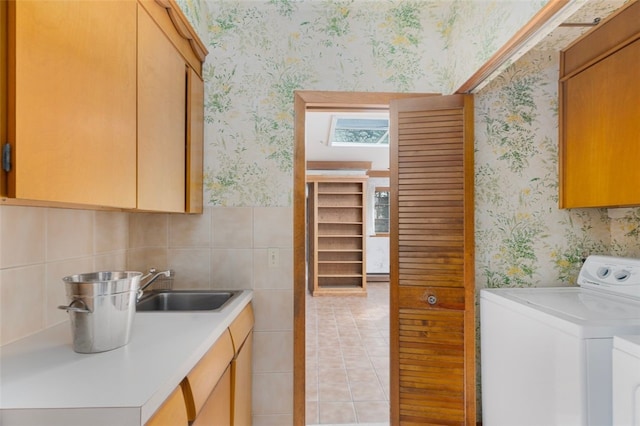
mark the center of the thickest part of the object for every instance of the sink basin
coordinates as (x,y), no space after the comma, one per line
(184,300)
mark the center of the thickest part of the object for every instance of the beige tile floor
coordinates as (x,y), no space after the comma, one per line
(348,358)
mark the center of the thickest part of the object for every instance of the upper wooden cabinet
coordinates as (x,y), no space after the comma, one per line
(599,110)
(72,102)
(170,110)
(162,104)
(104,104)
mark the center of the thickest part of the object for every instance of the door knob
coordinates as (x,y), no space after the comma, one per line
(429,298)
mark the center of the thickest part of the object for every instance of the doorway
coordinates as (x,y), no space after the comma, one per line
(347,303)
(304,102)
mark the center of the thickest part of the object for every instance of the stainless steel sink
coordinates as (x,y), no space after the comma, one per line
(185,300)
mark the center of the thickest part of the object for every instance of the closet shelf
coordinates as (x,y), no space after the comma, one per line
(337,235)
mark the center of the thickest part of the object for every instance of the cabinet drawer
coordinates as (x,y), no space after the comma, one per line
(201,381)
(241,327)
(217,408)
(172,412)
(432,298)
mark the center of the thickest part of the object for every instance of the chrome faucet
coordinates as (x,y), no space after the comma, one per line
(169,273)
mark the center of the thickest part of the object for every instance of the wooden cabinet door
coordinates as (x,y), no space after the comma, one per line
(432,266)
(172,412)
(195,143)
(601,133)
(241,384)
(72,101)
(217,410)
(241,371)
(162,106)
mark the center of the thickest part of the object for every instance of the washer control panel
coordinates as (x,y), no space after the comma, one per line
(613,274)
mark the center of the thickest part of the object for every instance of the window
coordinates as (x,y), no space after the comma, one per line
(381,210)
(371,130)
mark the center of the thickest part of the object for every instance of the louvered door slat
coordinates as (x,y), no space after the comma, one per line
(432,294)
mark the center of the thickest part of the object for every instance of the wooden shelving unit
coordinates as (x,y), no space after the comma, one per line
(336,235)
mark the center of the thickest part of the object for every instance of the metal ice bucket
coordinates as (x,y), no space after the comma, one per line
(101,307)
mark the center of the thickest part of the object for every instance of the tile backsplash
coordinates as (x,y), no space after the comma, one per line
(222,248)
(39,246)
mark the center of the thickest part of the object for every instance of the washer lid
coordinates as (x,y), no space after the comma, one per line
(581,312)
(628,344)
(581,304)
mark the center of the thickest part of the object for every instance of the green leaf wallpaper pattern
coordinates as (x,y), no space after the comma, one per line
(526,239)
(285,7)
(262,51)
(625,232)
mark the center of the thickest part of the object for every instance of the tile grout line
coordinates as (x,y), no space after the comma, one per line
(358,316)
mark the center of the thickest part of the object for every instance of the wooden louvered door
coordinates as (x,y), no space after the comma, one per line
(432,262)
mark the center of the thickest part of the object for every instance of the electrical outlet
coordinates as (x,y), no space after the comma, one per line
(273,257)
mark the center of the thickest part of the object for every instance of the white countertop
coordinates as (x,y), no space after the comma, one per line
(43,379)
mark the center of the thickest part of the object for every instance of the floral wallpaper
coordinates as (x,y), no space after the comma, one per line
(260,52)
(527,240)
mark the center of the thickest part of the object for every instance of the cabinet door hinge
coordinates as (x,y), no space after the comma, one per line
(6,157)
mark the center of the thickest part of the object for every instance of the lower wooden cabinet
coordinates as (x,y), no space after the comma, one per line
(217,391)
(216,410)
(241,384)
(173,412)
(200,383)
(241,372)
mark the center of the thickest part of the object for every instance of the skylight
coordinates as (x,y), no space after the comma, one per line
(359,131)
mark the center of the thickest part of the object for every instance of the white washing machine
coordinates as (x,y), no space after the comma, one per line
(626,380)
(546,352)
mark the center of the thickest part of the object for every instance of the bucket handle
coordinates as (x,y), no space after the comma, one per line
(70,308)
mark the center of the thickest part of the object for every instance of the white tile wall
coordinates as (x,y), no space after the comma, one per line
(22,298)
(23,236)
(148,230)
(232,268)
(70,234)
(111,232)
(233,227)
(192,266)
(190,230)
(226,247)
(39,246)
(276,351)
(272,394)
(222,248)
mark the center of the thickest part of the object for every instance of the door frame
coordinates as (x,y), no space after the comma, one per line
(542,22)
(308,101)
